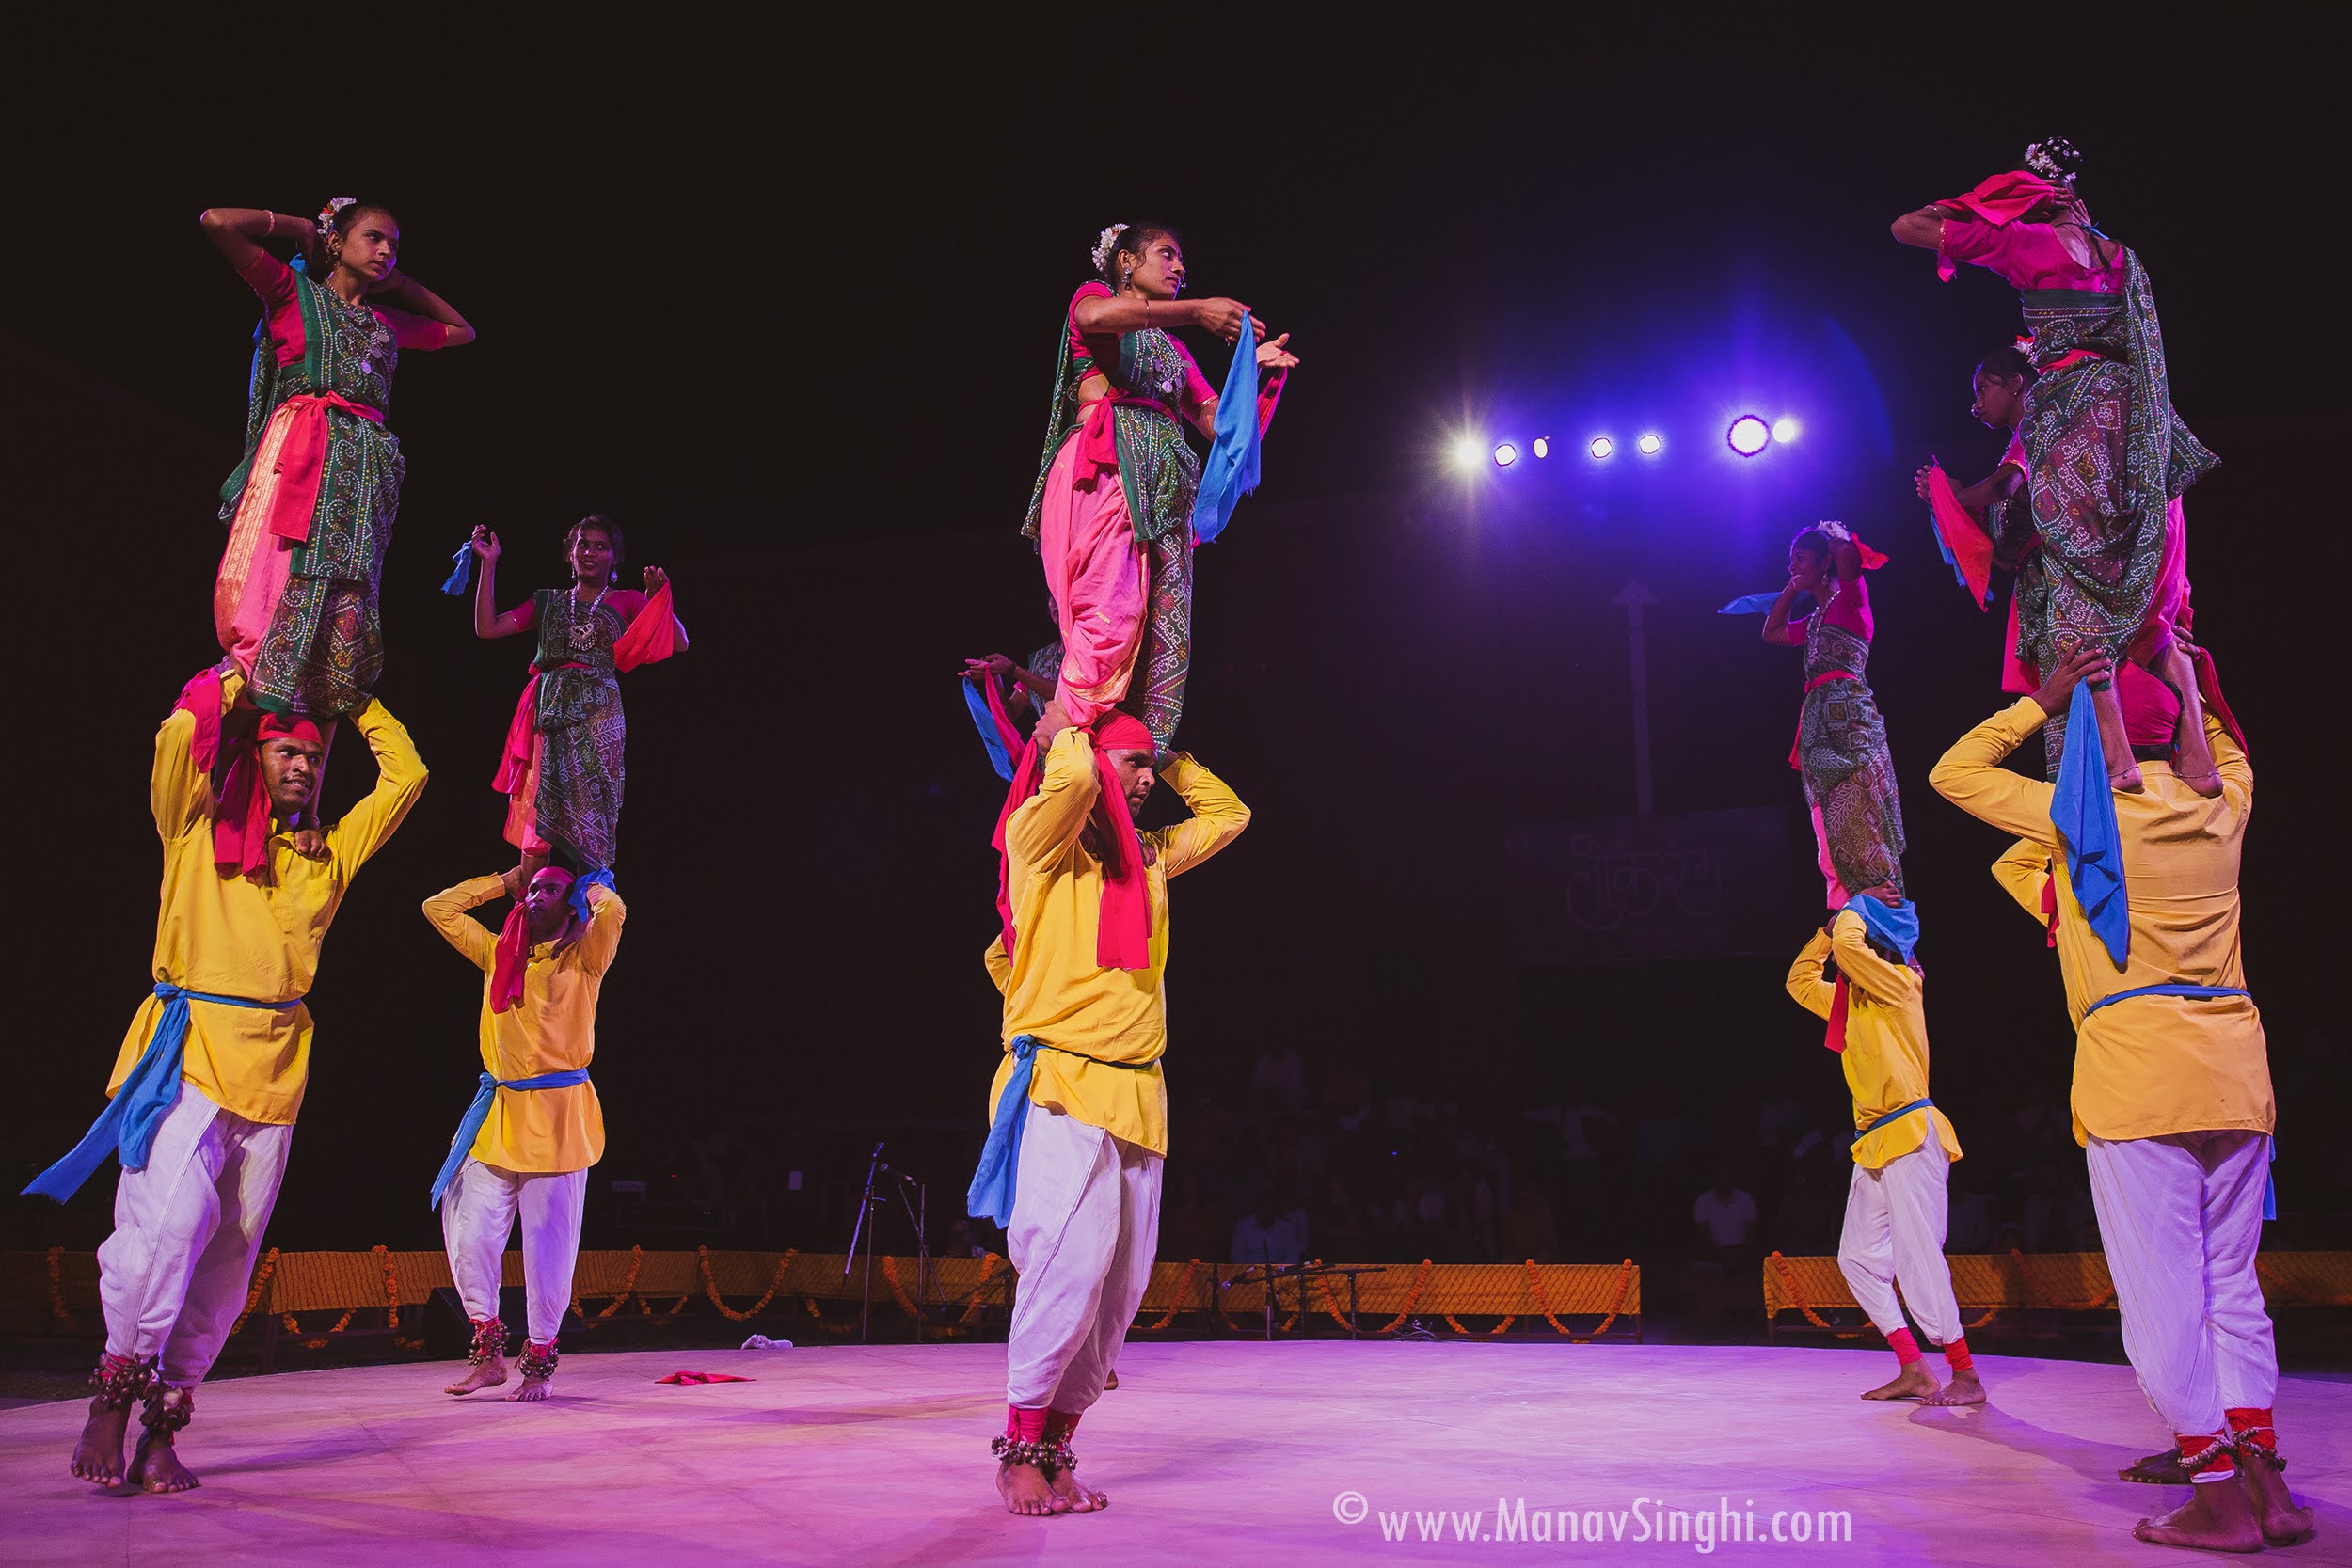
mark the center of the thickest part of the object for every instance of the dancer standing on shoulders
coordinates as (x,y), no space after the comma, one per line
(1071,1167)
(564,767)
(536,1124)
(1840,747)
(208,1082)
(1859,972)
(310,508)
(1113,508)
(2171,1093)
(2107,459)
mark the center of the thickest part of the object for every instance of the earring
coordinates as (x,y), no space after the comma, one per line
(1125,274)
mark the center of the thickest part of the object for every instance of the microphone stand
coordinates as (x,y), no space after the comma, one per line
(865,1206)
(918,1213)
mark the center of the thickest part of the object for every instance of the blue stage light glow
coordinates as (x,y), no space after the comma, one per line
(1785,428)
(1651,444)
(1541,445)
(1748,435)
(1603,447)
(1506,454)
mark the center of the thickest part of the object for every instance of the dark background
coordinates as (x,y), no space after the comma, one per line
(785,303)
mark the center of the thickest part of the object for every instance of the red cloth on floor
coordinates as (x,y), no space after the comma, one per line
(704,1377)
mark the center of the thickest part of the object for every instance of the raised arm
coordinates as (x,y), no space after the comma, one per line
(487,622)
(1883,979)
(1108,315)
(1808,981)
(2192,757)
(1971,777)
(400,776)
(240,233)
(1218,816)
(1776,628)
(2023,872)
(447,911)
(403,295)
(1048,823)
(1924,227)
(178,789)
(596,946)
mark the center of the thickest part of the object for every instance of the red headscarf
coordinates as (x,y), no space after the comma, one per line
(241,809)
(2151,708)
(1122,937)
(513,956)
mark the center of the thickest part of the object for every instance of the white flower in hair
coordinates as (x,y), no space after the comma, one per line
(1838,531)
(327,214)
(1103,242)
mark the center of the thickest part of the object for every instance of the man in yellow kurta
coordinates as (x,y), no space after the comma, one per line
(211,1075)
(1903,1145)
(1072,1166)
(2171,1092)
(535,1126)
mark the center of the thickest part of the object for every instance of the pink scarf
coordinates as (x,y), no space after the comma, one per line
(513,955)
(241,810)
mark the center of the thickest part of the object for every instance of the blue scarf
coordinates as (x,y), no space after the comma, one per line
(1894,925)
(2082,809)
(470,1125)
(1230,471)
(463,563)
(132,1119)
(601,878)
(999,1173)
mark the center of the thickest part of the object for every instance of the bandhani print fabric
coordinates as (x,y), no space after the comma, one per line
(1841,751)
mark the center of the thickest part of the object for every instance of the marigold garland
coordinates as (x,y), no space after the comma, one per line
(260,1283)
(57,1293)
(1412,1298)
(636,1261)
(710,1286)
(1788,1288)
(990,1264)
(1184,1289)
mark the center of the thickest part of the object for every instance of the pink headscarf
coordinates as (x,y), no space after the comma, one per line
(1123,938)
(241,810)
(2151,708)
(513,955)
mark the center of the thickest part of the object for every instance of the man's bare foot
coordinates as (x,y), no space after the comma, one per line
(531,1388)
(1076,1497)
(2281,1523)
(156,1466)
(1915,1381)
(1026,1490)
(2217,1518)
(2155,1469)
(538,1365)
(482,1374)
(1964,1388)
(98,1456)
(1110,1381)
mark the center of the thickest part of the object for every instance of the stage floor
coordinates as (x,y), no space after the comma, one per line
(1212,1453)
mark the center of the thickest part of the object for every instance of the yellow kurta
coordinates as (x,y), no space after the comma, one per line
(553,1029)
(257,940)
(2153,1065)
(1886,1038)
(1053,989)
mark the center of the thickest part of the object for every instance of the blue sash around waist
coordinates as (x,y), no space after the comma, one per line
(1895,1115)
(129,1123)
(2168,988)
(998,1176)
(470,1125)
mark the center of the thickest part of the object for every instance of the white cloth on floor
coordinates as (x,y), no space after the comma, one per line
(478,1213)
(1086,1226)
(1895,1220)
(174,1275)
(2180,1218)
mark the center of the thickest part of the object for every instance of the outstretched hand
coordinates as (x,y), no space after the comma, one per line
(486,544)
(2091,664)
(1223,317)
(656,581)
(1272,356)
(995,665)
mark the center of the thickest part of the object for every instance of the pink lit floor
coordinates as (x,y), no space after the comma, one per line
(1213,1454)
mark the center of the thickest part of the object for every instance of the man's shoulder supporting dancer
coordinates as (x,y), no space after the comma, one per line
(535,1125)
(209,1079)
(1074,1158)
(2171,1095)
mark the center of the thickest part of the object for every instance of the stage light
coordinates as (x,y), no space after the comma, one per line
(1784,429)
(1469,451)
(1505,454)
(1651,444)
(1541,445)
(1748,435)
(1602,448)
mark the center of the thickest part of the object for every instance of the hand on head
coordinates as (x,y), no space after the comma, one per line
(2087,664)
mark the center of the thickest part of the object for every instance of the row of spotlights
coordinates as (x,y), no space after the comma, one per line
(1748,435)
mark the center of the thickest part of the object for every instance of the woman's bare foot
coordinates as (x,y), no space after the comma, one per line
(97,1456)
(1915,1381)
(2281,1522)
(531,1388)
(1075,1496)
(2207,784)
(1027,1491)
(482,1374)
(2217,1518)
(1964,1388)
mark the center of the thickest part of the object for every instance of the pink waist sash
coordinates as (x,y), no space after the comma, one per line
(302,459)
(1098,432)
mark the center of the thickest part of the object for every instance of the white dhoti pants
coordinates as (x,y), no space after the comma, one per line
(1895,1220)
(173,1275)
(478,1213)
(1085,1225)
(2180,1218)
